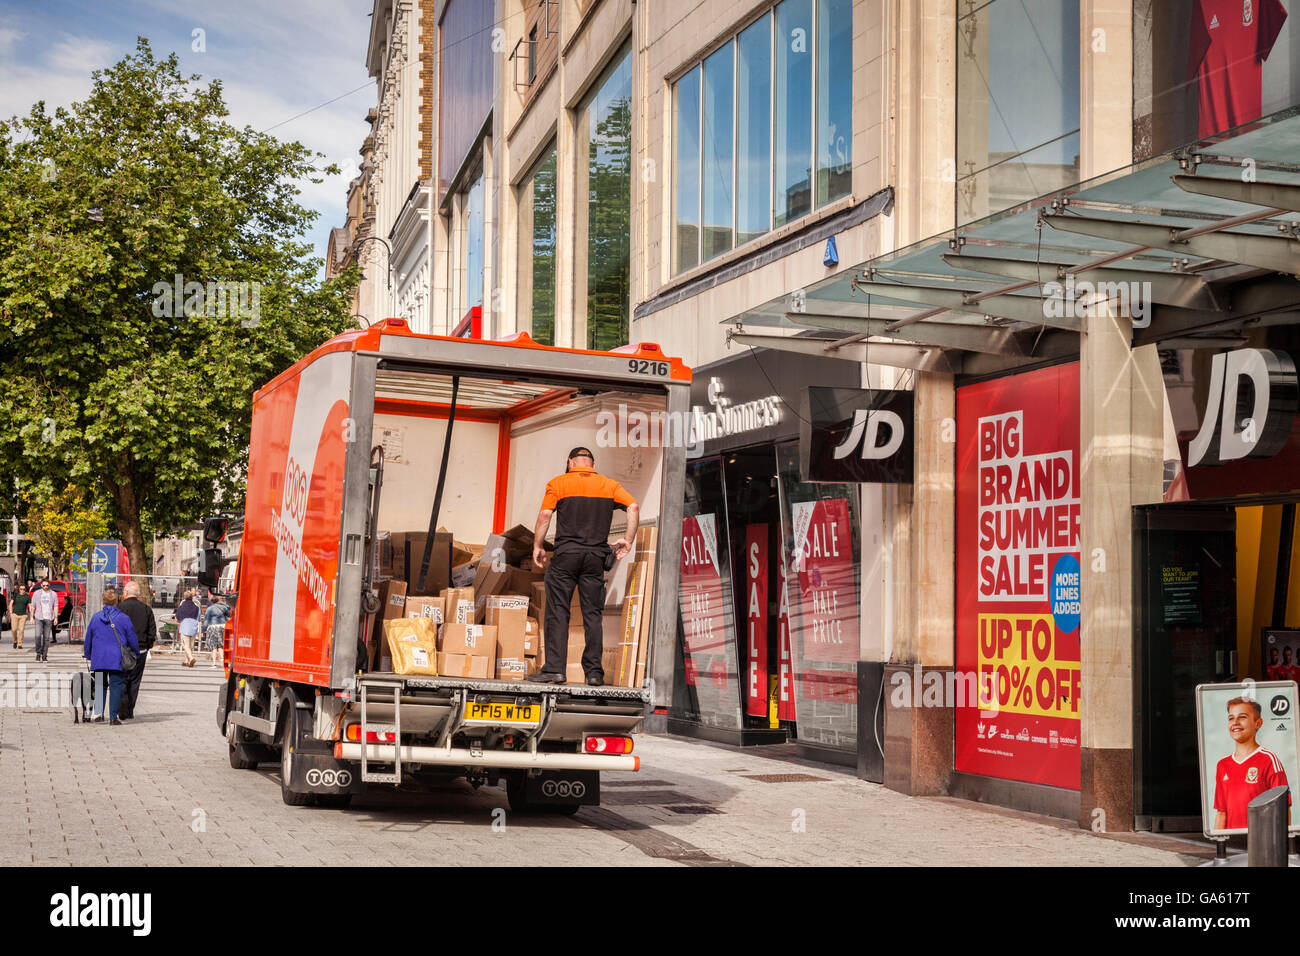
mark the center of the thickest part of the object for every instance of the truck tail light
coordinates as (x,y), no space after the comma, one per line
(608,745)
(353,734)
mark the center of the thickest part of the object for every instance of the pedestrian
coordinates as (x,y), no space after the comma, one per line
(214,627)
(45,610)
(108,633)
(146,631)
(583,503)
(187,618)
(18,614)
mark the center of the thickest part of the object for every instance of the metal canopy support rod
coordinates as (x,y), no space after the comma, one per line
(945,335)
(1018,308)
(892,354)
(1166,288)
(1263,252)
(1277,195)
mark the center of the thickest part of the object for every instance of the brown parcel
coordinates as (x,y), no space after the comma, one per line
(512,668)
(465,665)
(413,644)
(422,605)
(392,604)
(475,639)
(459,606)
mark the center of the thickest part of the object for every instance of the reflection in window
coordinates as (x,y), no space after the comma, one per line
(761,102)
(834,97)
(717,140)
(792,192)
(754,131)
(537,251)
(607,130)
(474,245)
(686,171)
(1017,103)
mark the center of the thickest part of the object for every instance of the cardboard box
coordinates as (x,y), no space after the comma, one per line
(512,668)
(462,575)
(577,643)
(465,665)
(521,582)
(475,639)
(508,613)
(537,600)
(533,640)
(426,606)
(392,604)
(459,605)
(518,543)
(494,552)
(440,563)
(609,662)
(573,674)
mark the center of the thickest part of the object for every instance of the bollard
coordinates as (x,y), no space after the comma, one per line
(1266,819)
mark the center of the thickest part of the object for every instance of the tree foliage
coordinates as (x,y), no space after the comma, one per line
(62,525)
(109,381)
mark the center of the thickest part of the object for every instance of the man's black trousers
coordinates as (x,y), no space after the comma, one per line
(131,685)
(584,570)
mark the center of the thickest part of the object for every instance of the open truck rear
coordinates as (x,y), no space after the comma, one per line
(347,446)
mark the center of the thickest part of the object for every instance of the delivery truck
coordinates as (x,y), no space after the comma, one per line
(387,611)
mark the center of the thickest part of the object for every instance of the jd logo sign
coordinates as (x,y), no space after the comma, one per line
(856,435)
(1249,409)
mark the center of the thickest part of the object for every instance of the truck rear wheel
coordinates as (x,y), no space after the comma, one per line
(241,759)
(290,739)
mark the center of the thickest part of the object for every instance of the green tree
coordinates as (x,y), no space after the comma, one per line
(109,380)
(63,525)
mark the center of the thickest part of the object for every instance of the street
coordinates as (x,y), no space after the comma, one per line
(159,791)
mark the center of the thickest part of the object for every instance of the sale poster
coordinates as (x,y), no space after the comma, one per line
(756,619)
(1018,577)
(785,709)
(828,593)
(701,597)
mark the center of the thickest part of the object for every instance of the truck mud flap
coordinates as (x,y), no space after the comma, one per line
(321,773)
(563,787)
(223,701)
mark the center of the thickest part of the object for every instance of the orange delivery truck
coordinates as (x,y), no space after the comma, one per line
(383,431)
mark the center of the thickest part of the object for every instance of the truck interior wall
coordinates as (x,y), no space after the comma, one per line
(411,479)
(537,449)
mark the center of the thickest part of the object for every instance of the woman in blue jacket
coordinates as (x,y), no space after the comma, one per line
(109,631)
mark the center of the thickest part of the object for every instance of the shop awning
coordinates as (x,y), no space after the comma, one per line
(1205,245)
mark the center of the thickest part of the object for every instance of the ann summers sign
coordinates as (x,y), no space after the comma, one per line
(856,435)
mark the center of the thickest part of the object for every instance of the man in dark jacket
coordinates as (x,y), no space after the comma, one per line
(146,630)
(108,632)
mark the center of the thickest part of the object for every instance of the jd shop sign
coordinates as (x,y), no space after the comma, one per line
(1250,407)
(856,435)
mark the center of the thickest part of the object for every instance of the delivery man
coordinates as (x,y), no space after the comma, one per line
(583,503)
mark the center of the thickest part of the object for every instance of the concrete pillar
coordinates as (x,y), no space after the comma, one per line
(1121,425)
(919,739)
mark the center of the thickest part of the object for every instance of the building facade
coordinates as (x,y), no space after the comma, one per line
(1048,228)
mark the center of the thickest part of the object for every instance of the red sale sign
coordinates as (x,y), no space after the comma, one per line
(785,665)
(1018,576)
(756,618)
(823,566)
(701,596)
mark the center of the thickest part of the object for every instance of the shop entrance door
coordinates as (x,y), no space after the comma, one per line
(754,512)
(1185,633)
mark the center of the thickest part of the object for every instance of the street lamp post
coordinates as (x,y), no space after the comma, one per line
(392,306)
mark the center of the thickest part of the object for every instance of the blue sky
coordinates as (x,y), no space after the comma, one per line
(276,60)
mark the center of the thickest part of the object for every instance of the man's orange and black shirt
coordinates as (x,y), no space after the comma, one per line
(584,503)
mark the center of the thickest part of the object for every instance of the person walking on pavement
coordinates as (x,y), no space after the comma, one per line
(583,503)
(45,610)
(214,627)
(108,633)
(187,619)
(18,614)
(146,631)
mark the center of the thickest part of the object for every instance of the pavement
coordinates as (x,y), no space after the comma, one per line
(159,790)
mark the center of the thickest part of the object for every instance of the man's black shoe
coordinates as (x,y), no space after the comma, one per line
(545,677)
(115,723)
(595,680)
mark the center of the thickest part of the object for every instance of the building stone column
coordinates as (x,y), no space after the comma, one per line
(922,543)
(1121,447)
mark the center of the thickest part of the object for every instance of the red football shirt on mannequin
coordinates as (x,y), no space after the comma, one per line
(1230,41)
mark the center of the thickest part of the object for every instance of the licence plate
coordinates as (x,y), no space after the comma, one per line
(498,712)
